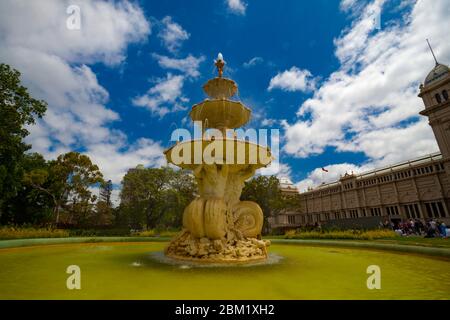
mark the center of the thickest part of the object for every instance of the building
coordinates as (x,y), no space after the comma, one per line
(419,188)
(287,187)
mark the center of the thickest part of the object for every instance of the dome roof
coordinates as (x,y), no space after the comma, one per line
(286,183)
(438,72)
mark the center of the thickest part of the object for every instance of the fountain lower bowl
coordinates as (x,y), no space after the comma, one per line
(184,263)
(203,250)
(222,261)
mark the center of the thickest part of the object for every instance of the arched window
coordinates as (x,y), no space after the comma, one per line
(445,94)
(438,98)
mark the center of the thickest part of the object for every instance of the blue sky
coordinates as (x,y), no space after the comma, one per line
(294,33)
(340,86)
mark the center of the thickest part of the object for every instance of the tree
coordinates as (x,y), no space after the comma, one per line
(155,197)
(265,191)
(17,109)
(67,181)
(105,192)
(104,210)
(182,190)
(29,205)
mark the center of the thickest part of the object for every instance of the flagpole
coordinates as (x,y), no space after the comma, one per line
(323,170)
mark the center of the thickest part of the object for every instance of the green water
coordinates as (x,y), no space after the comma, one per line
(129,271)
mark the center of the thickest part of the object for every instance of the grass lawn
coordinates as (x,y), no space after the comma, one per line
(412,240)
(375,236)
(418,241)
(378,236)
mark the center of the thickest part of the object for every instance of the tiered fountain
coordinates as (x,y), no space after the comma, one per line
(217,226)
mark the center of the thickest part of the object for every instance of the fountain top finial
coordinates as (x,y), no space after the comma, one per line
(220,87)
(220,64)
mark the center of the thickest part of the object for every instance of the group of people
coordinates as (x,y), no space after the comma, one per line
(430,229)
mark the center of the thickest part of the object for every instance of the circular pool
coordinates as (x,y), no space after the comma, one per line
(131,270)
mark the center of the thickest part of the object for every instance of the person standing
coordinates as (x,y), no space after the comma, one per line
(433,227)
(443,230)
(417,227)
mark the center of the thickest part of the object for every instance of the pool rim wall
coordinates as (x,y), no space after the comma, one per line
(360,244)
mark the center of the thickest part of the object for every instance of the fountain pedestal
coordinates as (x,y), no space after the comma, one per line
(217,226)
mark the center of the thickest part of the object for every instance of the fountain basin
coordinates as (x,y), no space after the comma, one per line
(131,271)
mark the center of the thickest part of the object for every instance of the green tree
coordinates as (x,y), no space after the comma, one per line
(67,181)
(29,205)
(105,192)
(155,197)
(17,109)
(103,215)
(265,191)
(182,190)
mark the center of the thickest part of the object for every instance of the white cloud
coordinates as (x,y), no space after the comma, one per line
(115,197)
(172,34)
(106,29)
(164,97)
(383,146)
(335,171)
(346,5)
(114,163)
(352,6)
(253,62)
(268,122)
(237,6)
(293,79)
(370,103)
(188,65)
(354,41)
(280,170)
(53,62)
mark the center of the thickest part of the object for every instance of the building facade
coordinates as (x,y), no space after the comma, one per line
(417,189)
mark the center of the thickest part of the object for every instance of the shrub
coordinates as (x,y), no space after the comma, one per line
(12,232)
(28,233)
(156,233)
(103,232)
(347,234)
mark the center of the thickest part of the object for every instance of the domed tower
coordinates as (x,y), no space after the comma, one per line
(435,95)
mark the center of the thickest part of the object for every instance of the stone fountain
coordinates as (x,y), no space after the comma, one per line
(217,226)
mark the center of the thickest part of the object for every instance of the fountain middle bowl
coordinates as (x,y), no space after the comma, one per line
(237,153)
(220,113)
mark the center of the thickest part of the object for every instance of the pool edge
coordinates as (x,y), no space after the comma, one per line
(430,251)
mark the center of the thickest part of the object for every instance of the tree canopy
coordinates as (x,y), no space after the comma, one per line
(17,110)
(155,197)
(265,191)
(67,181)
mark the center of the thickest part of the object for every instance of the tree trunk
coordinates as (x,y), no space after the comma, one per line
(56,213)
